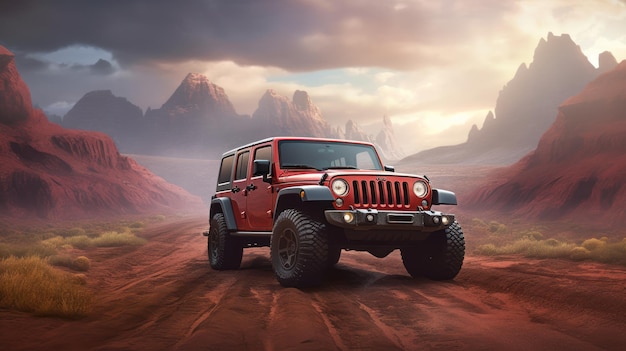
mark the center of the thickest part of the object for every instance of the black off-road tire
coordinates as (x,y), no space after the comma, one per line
(334,255)
(440,257)
(299,249)
(225,251)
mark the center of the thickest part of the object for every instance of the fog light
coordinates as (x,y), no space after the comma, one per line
(348,217)
(424,203)
(339,202)
(436,220)
(370,218)
(445,220)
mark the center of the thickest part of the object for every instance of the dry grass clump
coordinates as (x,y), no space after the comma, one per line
(25,250)
(110,239)
(29,284)
(80,263)
(550,248)
(599,250)
(106,239)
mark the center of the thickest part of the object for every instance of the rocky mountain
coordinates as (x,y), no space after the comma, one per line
(199,121)
(279,115)
(50,172)
(579,166)
(387,142)
(101,111)
(192,120)
(525,107)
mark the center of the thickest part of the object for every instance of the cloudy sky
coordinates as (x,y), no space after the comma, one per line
(434,67)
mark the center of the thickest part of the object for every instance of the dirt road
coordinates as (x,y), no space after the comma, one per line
(164,296)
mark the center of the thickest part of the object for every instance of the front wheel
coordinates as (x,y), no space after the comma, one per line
(299,249)
(225,251)
(440,257)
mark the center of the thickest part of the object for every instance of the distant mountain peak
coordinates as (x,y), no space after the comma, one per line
(197,93)
(525,107)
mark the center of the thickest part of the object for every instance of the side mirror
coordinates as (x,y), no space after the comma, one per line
(390,168)
(262,168)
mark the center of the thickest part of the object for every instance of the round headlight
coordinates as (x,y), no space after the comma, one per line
(340,187)
(420,188)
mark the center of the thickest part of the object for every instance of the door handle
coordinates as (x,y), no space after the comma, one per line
(251,187)
(235,189)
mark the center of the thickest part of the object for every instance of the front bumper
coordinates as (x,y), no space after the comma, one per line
(361,219)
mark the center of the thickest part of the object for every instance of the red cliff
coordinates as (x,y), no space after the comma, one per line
(579,167)
(54,173)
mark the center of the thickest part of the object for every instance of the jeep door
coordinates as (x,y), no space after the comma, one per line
(260,197)
(238,196)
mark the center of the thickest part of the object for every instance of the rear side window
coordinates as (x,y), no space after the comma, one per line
(226,169)
(242,165)
(263,153)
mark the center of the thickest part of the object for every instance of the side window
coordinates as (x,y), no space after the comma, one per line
(263,153)
(226,169)
(242,165)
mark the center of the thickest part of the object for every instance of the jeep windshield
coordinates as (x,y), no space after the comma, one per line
(323,155)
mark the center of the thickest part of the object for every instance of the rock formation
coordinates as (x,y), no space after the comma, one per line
(278,115)
(115,116)
(525,107)
(54,173)
(579,167)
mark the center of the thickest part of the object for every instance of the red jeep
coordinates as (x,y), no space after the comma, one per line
(309,198)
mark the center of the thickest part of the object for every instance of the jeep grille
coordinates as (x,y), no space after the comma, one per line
(381,192)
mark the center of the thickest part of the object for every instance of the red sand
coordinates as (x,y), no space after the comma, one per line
(164,296)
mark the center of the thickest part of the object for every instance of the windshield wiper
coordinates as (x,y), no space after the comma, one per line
(341,167)
(299,166)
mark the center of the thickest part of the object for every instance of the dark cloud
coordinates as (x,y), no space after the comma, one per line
(25,63)
(295,35)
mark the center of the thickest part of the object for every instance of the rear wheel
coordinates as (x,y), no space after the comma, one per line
(440,257)
(225,251)
(299,249)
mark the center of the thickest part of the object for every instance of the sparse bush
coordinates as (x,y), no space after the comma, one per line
(477,222)
(36,249)
(593,244)
(80,241)
(487,250)
(76,231)
(29,284)
(552,242)
(109,239)
(497,228)
(136,225)
(61,260)
(532,235)
(79,278)
(579,253)
(81,263)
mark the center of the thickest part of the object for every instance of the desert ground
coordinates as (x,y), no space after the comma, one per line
(164,296)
